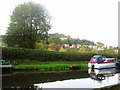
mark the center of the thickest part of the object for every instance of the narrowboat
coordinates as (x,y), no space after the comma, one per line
(101,62)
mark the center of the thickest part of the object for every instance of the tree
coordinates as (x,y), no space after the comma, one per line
(54,46)
(29,23)
(59,35)
(54,43)
(99,44)
(56,39)
(40,46)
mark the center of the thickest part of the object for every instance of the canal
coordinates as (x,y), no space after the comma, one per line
(70,79)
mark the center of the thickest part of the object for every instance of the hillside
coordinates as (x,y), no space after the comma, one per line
(68,40)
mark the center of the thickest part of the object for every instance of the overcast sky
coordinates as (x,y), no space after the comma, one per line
(95,20)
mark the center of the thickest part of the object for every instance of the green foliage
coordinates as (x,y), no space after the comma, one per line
(54,43)
(62,49)
(75,41)
(74,50)
(100,44)
(59,35)
(29,23)
(2,44)
(85,50)
(107,51)
(40,46)
(54,46)
(56,39)
(32,54)
(71,41)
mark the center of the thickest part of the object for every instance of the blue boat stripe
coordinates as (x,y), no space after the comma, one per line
(105,68)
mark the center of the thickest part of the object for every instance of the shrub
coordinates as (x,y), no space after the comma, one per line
(34,54)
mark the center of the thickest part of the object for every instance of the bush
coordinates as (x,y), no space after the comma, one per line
(34,54)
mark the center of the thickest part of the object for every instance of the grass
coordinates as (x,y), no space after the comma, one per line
(49,64)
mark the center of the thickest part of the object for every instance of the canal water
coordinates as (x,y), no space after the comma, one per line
(72,79)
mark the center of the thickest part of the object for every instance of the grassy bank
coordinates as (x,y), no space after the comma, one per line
(22,64)
(32,58)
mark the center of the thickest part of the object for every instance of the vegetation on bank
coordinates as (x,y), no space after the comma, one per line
(32,58)
(33,54)
(23,64)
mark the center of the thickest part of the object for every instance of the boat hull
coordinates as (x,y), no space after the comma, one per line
(102,71)
(102,65)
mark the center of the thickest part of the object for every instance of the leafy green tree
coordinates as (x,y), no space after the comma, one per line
(29,23)
(54,46)
(99,44)
(39,46)
(54,43)
(56,39)
(68,41)
(62,49)
(59,35)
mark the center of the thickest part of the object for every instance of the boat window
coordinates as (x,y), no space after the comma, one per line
(101,59)
(93,59)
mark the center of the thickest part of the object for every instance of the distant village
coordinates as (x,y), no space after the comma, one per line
(91,47)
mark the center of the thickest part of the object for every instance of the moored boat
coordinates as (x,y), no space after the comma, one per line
(101,74)
(101,62)
(5,65)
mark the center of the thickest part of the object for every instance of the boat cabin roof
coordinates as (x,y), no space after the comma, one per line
(98,58)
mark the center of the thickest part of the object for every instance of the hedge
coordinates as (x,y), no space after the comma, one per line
(32,54)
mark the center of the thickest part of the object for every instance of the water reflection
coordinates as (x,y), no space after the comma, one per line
(75,79)
(25,80)
(102,74)
(98,78)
